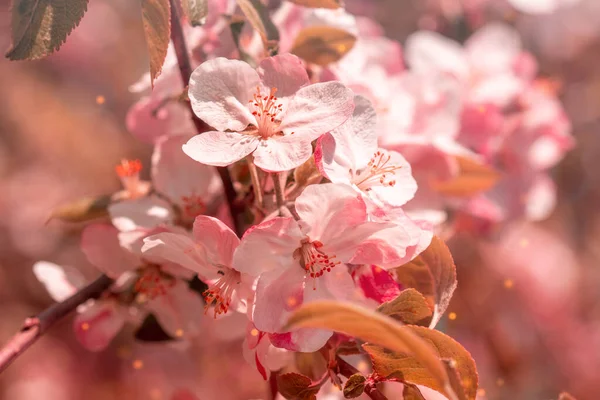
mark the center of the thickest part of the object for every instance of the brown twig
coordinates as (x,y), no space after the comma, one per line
(348,370)
(185,71)
(34,327)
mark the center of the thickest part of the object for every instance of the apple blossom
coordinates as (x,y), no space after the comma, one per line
(273,113)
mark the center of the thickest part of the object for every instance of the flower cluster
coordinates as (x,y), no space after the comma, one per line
(343,171)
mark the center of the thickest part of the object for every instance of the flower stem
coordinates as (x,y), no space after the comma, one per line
(185,71)
(279,196)
(34,327)
(258,192)
(348,370)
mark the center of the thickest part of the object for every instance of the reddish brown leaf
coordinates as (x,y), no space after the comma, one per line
(373,327)
(319,3)
(410,307)
(257,14)
(312,365)
(40,27)
(354,386)
(156,17)
(473,178)
(322,45)
(411,392)
(295,386)
(435,262)
(402,366)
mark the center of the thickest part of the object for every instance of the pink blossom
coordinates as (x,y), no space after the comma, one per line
(209,253)
(241,104)
(349,154)
(260,352)
(301,261)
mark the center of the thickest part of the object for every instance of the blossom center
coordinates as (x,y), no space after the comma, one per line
(129,173)
(192,205)
(314,260)
(379,172)
(221,291)
(266,111)
(153,283)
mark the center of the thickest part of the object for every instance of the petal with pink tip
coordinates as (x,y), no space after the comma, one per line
(100,244)
(404,187)
(284,72)
(98,324)
(317,109)
(219,92)
(282,153)
(220,148)
(268,246)
(217,239)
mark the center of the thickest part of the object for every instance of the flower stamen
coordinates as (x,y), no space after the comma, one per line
(220,292)
(266,112)
(314,260)
(376,173)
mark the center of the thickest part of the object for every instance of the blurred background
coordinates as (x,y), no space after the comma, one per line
(528,301)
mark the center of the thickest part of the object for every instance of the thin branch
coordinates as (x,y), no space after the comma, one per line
(185,71)
(348,370)
(279,195)
(34,327)
(256,186)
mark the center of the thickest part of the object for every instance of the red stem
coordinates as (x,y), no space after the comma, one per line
(185,71)
(35,327)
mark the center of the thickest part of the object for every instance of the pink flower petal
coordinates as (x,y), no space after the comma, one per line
(143,213)
(493,49)
(429,52)
(100,244)
(282,153)
(98,324)
(317,109)
(404,187)
(179,311)
(58,283)
(284,72)
(376,283)
(268,246)
(218,240)
(179,177)
(220,148)
(219,92)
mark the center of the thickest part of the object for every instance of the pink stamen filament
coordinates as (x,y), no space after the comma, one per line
(376,173)
(267,110)
(315,261)
(221,291)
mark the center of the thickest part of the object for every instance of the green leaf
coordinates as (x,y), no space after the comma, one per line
(257,14)
(354,386)
(319,3)
(322,45)
(295,386)
(40,27)
(458,363)
(156,17)
(409,307)
(195,11)
(82,210)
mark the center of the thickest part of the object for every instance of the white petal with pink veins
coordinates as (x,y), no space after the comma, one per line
(220,148)
(143,213)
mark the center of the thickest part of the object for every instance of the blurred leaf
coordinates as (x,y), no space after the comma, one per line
(318,3)
(368,325)
(307,173)
(295,386)
(473,178)
(257,14)
(322,45)
(312,365)
(410,307)
(195,11)
(236,25)
(156,16)
(82,210)
(40,27)
(411,392)
(354,386)
(434,264)
(406,367)
(151,331)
